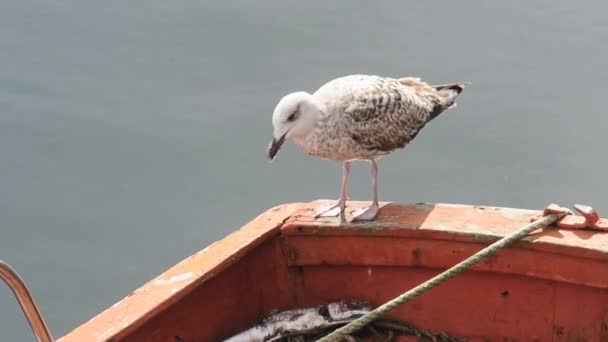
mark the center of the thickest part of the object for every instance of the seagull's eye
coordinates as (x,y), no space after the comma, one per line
(293,116)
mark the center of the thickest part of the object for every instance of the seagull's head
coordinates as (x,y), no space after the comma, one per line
(294,116)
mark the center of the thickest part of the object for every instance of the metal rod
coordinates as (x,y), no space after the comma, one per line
(17,285)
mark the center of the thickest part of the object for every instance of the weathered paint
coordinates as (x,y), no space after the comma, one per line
(128,315)
(551,287)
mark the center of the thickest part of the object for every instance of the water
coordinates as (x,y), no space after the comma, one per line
(133,134)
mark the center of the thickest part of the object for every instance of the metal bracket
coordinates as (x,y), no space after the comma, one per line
(589,218)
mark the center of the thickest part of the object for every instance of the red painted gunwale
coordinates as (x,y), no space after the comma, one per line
(551,287)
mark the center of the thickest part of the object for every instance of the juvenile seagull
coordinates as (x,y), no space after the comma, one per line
(358,117)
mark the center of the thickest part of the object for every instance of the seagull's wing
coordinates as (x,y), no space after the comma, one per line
(385,114)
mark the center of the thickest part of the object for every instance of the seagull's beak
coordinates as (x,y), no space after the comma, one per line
(275,146)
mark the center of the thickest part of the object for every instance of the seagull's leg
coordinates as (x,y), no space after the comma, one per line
(370,213)
(338,207)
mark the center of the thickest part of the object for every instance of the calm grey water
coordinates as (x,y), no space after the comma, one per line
(133,134)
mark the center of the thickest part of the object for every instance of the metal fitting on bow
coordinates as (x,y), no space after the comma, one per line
(589,218)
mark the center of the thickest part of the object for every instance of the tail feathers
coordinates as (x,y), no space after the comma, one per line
(447,94)
(453,105)
(457,87)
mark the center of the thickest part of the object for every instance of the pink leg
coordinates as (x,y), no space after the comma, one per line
(370,213)
(338,207)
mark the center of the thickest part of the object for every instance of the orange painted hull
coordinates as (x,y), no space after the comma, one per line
(551,287)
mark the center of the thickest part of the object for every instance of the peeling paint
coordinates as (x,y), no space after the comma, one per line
(278,207)
(517,214)
(471,227)
(117,304)
(103,335)
(205,250)
(458,229)
(174,279)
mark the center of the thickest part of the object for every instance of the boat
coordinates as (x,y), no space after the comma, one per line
(550,286)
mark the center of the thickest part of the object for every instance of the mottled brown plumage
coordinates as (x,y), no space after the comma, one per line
(369,116)
(358,117)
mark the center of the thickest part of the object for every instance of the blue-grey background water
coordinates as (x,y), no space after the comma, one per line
(133,133)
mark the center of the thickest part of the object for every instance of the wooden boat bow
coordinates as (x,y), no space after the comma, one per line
(550,286)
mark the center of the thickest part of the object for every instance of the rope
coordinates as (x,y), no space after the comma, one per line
(341,333)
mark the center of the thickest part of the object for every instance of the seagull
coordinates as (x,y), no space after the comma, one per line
(358,117)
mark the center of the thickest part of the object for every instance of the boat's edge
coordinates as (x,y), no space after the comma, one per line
(169,287)
(466,223)
(436,236)
(153,297)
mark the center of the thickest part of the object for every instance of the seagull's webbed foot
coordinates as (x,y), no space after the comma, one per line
(329,210)
(366,214)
